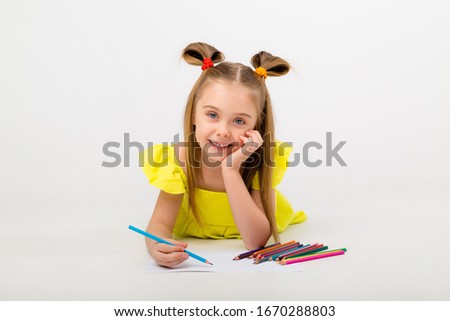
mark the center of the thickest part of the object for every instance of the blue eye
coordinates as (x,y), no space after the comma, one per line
(212,115)
(240,121)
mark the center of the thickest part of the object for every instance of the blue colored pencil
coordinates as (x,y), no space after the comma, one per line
(160,240)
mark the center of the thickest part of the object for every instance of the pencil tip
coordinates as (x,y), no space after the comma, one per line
(209,263)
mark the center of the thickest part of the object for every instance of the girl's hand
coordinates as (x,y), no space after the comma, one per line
(169,255)
(250,142)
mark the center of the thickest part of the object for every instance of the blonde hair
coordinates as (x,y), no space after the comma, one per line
(194,54)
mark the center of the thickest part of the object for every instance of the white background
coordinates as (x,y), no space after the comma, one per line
(75,75)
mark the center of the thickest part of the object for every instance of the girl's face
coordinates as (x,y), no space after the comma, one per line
(223,112)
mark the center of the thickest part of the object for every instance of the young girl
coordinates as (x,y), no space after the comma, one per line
(221,182)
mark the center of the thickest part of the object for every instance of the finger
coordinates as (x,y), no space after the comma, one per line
(169,254)
(250,144)
(166,248)
(180,258)
(171,259)
(241,140)
(255,136)
(180,243)
(245,139)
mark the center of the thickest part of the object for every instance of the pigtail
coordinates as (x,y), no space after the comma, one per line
(271,65)
(196,53)
(266,64)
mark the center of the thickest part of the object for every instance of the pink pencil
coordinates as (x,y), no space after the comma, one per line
(312,257)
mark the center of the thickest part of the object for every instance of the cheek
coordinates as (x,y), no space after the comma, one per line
(202,130)
(252,126)
(237,133)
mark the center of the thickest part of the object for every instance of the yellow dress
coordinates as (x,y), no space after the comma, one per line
(214,208)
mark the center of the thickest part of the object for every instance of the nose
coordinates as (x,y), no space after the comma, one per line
(222,131)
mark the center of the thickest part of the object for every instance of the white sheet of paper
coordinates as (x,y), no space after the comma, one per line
(222,260)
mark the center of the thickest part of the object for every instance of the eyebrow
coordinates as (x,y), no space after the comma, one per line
(218,109)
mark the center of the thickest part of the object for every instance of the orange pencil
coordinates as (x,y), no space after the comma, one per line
(278,250)
(249,253)
(271,249)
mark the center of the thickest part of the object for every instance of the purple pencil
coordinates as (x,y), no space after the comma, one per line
(249,253)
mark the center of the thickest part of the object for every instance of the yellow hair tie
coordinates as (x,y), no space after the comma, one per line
(261,72)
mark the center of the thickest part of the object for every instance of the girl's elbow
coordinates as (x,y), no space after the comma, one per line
(256,243)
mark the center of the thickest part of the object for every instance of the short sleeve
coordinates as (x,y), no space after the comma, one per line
(281,159)
(162,169)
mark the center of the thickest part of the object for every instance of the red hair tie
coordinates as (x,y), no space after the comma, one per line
(207,63)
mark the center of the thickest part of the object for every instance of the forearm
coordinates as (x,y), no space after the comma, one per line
(168,255)
(164,216)
(250,220)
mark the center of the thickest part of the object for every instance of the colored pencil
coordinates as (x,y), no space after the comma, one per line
(329,251)
(313,253)
(271,249)
(276,255)
(303,249)
(301,252)
(295,250)
(312,257)
(160,240)
(249,253)
(278,250)
(307,252)
(269,255)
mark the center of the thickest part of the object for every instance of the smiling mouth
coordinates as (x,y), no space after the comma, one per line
(219,145)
